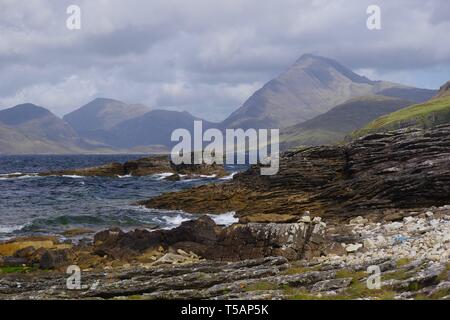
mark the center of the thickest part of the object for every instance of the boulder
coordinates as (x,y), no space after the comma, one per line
(52,259)
(207,240)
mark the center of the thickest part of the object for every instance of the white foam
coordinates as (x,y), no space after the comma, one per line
(18,175)
(208,177)
(161,176)
(125,176)
(72,176)
(224,219)
(10,229)
(198,177)
(11,174)
(174,221)
(229,177)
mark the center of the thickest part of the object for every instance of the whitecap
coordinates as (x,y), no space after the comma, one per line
(161,176)
(224,219)
(175,221)
(125,176)
(72,176)
(11,174)
(229,177)
(18,175)
(10,229)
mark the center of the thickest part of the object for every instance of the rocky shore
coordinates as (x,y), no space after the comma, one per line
(318,230)
(379,175)
(200,260)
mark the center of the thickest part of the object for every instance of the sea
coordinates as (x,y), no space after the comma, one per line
(35,205)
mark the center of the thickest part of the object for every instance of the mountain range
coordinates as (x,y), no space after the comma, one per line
(315,101)
(311,86)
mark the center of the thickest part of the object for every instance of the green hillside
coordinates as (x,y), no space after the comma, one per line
(333,126)
(425,115)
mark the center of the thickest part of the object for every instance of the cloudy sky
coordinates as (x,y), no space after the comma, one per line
(206,56)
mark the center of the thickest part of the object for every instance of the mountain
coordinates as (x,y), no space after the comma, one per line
(152,128)
(27,128)
(332,126)
(95,119)
(425,115)
(310,87)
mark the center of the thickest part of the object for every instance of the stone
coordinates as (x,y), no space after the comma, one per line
(173,177)
(52,259)
(358,220)
(171,258)
(305,219)
(393,226)
(353,247)
(333,284)
(369,244)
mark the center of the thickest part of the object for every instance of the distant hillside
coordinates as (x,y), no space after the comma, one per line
(153,128)
(93,120)
(312,86)
(332,126)
(425,115)
(120,125)
(28,128)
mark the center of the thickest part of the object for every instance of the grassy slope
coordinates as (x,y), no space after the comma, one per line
(425,115)
(334,125)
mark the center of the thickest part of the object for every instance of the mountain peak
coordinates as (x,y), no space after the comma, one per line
(23,113)
(311,86)
(309,57)
(102,113)
(324,66)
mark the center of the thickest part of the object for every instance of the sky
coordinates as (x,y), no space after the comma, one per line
(207,56)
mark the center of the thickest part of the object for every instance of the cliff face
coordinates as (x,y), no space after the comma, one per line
(398,170)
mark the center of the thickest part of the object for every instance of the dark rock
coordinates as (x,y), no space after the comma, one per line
(333,284)
(52,259)
(206,239)
(174,177)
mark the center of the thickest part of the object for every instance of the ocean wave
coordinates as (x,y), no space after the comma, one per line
(229,177)
(72,176)
(174,218)
(18,175)
(11,229)
(162,176)
(197,177)
(11,174)
(125,176)
(175,221)
(224,219)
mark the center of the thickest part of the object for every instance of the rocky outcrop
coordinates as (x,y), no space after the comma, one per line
(370,176)
(143,167)
(203,237)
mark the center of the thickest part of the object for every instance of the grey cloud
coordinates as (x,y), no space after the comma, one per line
(204,56)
